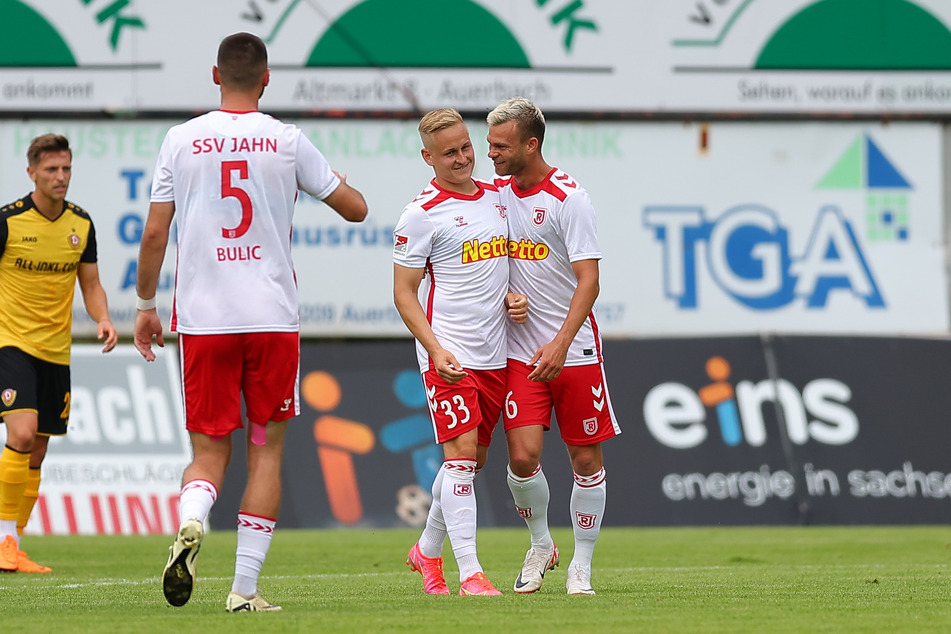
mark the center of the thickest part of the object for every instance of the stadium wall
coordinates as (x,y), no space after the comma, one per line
(734,430)
(773,213)
(706,229)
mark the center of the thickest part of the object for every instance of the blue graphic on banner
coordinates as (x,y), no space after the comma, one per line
(748,257)
(415,432)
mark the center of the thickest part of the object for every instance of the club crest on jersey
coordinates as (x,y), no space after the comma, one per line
(400,244)
(524,513)
(538,216)
(586,520)
(501,209)
(590,426)
(73,240)
(462,489)
(460,221)
(8,396)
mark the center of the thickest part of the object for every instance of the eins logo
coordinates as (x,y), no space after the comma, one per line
(676,414)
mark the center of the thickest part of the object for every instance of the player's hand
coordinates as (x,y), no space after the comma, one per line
(107,334)
(147,325)
(517,305)
(548,361)
(448,369)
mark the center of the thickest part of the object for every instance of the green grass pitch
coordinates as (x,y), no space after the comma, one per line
(788,579)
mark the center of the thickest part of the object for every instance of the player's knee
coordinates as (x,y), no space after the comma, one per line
(20,440)
(523,464)
(586,463)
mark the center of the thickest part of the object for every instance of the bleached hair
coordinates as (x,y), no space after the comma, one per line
(526,115)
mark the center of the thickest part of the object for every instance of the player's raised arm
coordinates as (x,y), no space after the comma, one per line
(347,201)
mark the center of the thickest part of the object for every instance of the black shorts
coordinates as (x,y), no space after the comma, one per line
(33,385)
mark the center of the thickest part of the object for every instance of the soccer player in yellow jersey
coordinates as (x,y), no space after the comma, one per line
(46,244)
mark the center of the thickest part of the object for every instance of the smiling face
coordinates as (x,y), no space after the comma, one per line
(51,176)
(450,153)
(507,149)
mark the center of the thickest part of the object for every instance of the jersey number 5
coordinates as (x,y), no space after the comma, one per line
(230,191)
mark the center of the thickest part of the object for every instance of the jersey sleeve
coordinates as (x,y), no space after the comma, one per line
(413,238)
(580,228)
(314,175)
(162,186)
(89,255)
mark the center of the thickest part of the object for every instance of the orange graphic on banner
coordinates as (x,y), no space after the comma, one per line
(337,440)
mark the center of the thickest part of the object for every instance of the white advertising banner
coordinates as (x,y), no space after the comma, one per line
(118,471)
(795,56)
(721,229)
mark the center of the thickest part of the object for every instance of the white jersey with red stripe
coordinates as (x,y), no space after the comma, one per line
(234,177)
(551,225)
(460,241)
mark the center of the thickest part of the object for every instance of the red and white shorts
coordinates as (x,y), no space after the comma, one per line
(218,369)
(475,401)
(579,398)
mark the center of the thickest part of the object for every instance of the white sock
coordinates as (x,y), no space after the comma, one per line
(254,539)
(531,497)
(434,535)
(587,509)
(459,512)
(9,527)
(195,500)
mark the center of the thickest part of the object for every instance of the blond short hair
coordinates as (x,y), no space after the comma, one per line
(436,120)
(527,116)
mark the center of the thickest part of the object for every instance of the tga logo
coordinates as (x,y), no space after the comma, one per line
(746,252)
(681,417)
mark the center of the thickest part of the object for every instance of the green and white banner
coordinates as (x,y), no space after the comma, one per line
(751,56)
(705,230)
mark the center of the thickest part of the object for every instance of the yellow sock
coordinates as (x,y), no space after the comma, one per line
(14,473)
(29,499)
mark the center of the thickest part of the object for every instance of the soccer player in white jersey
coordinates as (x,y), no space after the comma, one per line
(554,359)
(231,177)
(449,254)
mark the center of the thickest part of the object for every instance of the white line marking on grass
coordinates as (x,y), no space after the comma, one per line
(638,569)
(158,581)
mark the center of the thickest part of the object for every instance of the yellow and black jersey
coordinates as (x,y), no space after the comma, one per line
(39,261)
